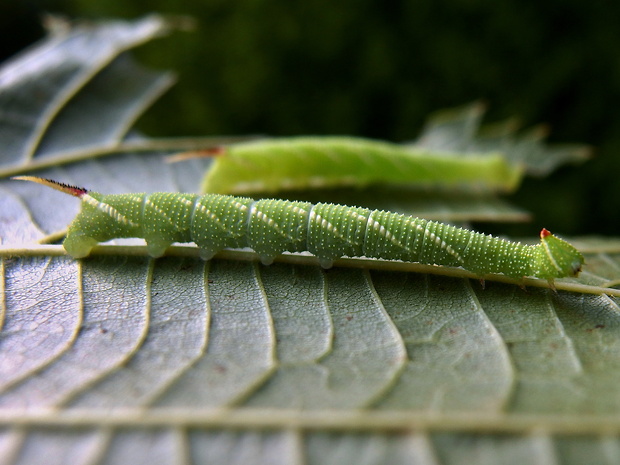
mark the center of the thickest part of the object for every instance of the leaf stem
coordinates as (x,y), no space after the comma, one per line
(322,420)
(138,145)
(310,260)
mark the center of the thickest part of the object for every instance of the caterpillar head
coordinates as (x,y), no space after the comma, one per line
(556,258)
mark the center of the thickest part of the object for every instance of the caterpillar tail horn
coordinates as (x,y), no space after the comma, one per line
(59,186)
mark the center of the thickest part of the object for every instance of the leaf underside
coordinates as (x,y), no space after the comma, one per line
(125,359)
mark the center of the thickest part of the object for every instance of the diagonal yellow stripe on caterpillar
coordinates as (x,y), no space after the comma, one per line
(329,231)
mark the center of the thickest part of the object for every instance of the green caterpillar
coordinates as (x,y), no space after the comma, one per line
(320,162)
(329,231)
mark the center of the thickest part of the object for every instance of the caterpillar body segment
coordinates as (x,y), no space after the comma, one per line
(214,222)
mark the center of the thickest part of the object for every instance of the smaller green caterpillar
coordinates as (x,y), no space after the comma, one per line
(329,231)
(321,162)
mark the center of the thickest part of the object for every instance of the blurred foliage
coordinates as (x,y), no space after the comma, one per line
(376,69)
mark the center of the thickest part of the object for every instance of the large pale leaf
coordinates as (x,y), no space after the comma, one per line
(460,130)
(123,359)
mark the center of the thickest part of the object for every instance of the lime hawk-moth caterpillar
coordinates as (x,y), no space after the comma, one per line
(270,227)
(272,165)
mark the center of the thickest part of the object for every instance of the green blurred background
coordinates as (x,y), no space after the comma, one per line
(377,69)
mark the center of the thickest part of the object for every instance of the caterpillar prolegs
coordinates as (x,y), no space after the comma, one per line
(329,231)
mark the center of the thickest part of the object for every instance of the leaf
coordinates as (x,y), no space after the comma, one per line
(124,359)
(68,59)
(460,130)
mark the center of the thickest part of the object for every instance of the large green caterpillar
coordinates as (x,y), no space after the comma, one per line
(329,231)
(311,162)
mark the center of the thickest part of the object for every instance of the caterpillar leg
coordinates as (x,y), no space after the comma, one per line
(266,259)
(156,249)
(206,254)
(78,245)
